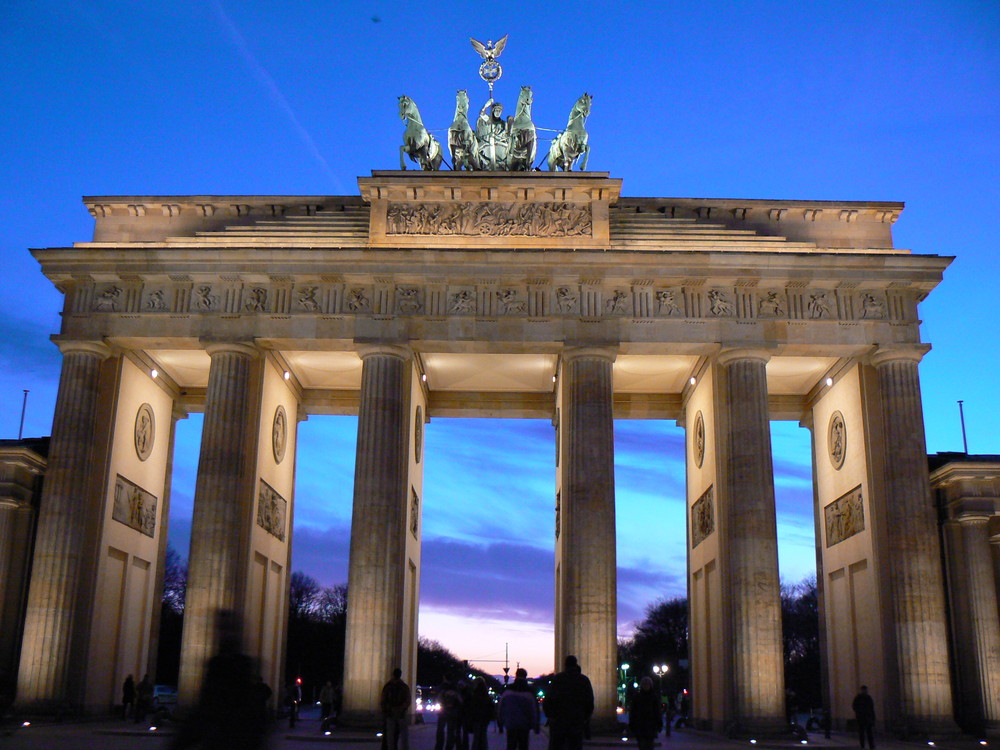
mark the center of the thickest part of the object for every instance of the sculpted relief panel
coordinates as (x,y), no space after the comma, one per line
(844,517)
(271,511)
(585,298)
(703,517)
(134,507)
(490,219)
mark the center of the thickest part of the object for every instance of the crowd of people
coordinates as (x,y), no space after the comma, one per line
(233,710)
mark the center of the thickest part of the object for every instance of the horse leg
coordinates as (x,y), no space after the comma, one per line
(553,156)
(586,157)
(402,153)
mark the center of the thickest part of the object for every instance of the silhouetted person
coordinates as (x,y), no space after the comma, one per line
(395,705)
(228,715)
(449,727)
(645,715)
(326,700)
(569,706)
(518,712)
(864,713)
(128,696)
(683,709)
(481,712)
(143,698)
(261,695)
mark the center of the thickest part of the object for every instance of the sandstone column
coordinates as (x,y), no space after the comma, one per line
(223,507)
(588,568)
(984,623)
(374,645)
(913,548)
(59,546)
(750,547)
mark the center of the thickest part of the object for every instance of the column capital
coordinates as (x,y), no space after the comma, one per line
(367,349)
(726,356)
(904,353)
(968,517)
(607,353)
(99,348)
(234,347)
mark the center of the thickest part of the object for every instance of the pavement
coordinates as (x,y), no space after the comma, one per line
(111,734)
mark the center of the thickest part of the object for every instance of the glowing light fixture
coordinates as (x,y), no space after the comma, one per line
(829,382)
(288,375)
(693,380)
(154,373)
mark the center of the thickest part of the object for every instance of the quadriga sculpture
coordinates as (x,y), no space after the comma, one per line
(418,144)
(570,144)
(523,141)
(461,139)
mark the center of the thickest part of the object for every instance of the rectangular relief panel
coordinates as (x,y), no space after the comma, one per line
(272,510)
(844,517)
(134,507)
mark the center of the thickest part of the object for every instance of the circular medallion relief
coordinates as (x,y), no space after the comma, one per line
(418,434)
(836,439)
(699,440)
(145,431)
(279,433)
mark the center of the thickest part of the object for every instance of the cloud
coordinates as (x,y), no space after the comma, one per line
(322,553)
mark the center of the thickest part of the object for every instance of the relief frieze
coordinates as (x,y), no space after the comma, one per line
(666,303)
(271,511)
(155,301)
(844,517)
(770,305)
(134,507)
(703,517)
(305,299)
(590,299)
(490,219)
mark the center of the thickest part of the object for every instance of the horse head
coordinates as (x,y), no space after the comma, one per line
(406,107)
(524,99)
(461,102)
(583,105)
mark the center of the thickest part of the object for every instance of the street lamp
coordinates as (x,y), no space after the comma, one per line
(660,670)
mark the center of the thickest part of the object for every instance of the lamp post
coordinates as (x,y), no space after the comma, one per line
(622,683)
(660,670)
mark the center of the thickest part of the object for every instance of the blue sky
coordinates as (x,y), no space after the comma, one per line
(839,101)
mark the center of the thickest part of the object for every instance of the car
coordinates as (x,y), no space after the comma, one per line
(164,695)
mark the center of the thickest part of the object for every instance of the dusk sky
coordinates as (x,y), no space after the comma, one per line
(890,101)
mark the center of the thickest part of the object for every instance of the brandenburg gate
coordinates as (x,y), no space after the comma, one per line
(494,294)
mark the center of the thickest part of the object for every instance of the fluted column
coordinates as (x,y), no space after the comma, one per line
(589,559)
(374,641)
(913,548)
(223,500)
(983,618)
(59,546)
(750,545)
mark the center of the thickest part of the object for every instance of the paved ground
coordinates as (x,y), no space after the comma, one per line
(120,735)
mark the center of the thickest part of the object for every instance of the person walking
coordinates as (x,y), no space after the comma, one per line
(449,725)
(128,696)
(864,713)
(481,712)
(143,698)
(645,715)
(227,715)
(395,705)
(326,700)
(518,713)
(569,706)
